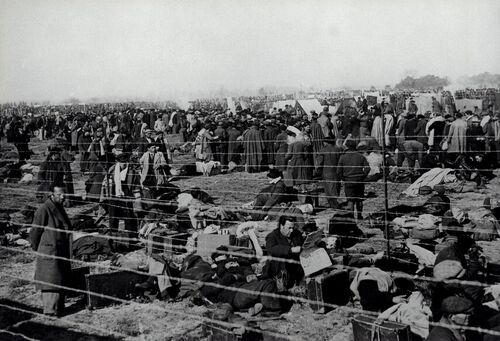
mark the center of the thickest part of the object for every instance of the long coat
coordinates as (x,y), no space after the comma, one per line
(233,145)
(281,148)
(269,136)
(300,167)
(253,146)
(457,136)
(328,159)
(51,243)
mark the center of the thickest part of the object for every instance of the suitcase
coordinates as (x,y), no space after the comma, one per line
(77,280)
(207,243)
(399,261)
(119,284)
(331,287)
(368,328)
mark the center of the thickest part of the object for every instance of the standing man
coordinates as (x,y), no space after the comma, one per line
(325,123)
(328,160)
(353,168)
(52,273)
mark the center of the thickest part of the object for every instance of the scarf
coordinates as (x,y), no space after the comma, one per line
(119,176)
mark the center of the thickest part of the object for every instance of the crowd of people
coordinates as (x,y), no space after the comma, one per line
(126,155)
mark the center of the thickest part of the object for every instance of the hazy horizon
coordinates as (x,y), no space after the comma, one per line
(55,49)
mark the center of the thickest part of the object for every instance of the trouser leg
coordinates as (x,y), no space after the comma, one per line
(53,302)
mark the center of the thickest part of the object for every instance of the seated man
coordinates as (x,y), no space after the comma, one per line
(451,263)
(248,289)
(284,242)
(272,195)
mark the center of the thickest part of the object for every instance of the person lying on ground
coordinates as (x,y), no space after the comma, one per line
(237,273)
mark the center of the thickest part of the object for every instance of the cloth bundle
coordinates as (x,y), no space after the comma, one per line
(413,313)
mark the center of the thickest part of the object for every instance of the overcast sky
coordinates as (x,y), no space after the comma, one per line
(52,49)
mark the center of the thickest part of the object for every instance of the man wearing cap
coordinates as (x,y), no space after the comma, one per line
(353,168)
(456,314)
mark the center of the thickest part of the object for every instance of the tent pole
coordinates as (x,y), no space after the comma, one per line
(386,200)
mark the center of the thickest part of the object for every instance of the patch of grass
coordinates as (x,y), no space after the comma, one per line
(127,325)
(23,258)
(18,282)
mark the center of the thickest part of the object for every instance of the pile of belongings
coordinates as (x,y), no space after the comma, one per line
(423,227)
(87,242)
(401,175)
(414,313)
(431,178)
(29,173)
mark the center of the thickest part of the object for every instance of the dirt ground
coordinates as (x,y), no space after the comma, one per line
(181,320)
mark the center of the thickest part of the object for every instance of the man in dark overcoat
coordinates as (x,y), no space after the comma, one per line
(328,160)
(49,240)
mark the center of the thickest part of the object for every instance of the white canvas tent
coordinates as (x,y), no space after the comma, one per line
(282,104)
(306,105)
(231,105)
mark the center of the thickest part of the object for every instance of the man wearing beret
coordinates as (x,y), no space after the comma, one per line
(456,314)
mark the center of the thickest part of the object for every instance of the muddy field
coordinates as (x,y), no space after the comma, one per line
(181,320)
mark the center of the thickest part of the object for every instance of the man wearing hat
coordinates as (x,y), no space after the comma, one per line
(270,196)
(125,193)
(456,314)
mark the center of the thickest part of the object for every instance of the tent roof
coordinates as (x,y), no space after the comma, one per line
(310,104)
(281,104)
